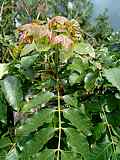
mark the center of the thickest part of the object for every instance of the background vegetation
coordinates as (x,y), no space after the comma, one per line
(59,82)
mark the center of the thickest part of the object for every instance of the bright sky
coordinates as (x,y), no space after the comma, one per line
(113,7)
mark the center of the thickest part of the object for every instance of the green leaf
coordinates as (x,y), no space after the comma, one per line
(3,153)
(78,65)
(66,54)
(98,130)
(3,69)
(78,119)
(36,143)
(3,109)
(46,155)
(12,89)
(38,119)
(100,152)
(85,49)
(89,81)
(113,77)
(4,142)
(12,155)
(28,60)
(78,70)
(74,78)
(39,99)
(72,101)
(77,141)
(70,156)
(28,48)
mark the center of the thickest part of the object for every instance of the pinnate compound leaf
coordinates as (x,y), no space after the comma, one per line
(78,119)
(39,99)
(37,142)
(113,77)
(77,141)
(38,119)
(3,69)
(12,89)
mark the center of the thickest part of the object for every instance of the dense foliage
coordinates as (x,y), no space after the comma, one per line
(59,83)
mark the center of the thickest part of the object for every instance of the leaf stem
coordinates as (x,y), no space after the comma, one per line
(109,129)
(59,116)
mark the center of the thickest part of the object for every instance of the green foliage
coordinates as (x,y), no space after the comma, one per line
(59,96)
(11,87)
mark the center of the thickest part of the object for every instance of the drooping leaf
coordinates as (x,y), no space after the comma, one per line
(77,141)
(12,89)
(113,77)
(39,99)
(37,142)
(38,119)
(79,120)
(3,69)
(46,155)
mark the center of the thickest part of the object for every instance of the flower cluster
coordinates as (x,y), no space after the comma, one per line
(58,30)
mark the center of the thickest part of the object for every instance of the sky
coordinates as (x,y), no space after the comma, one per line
(113,7)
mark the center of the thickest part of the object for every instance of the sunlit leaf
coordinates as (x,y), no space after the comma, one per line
(113,77)
(12,155)
(12,89)
(72,101)
(85,49)
(74,78)
(3,69)
(28,48)
(39,99)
